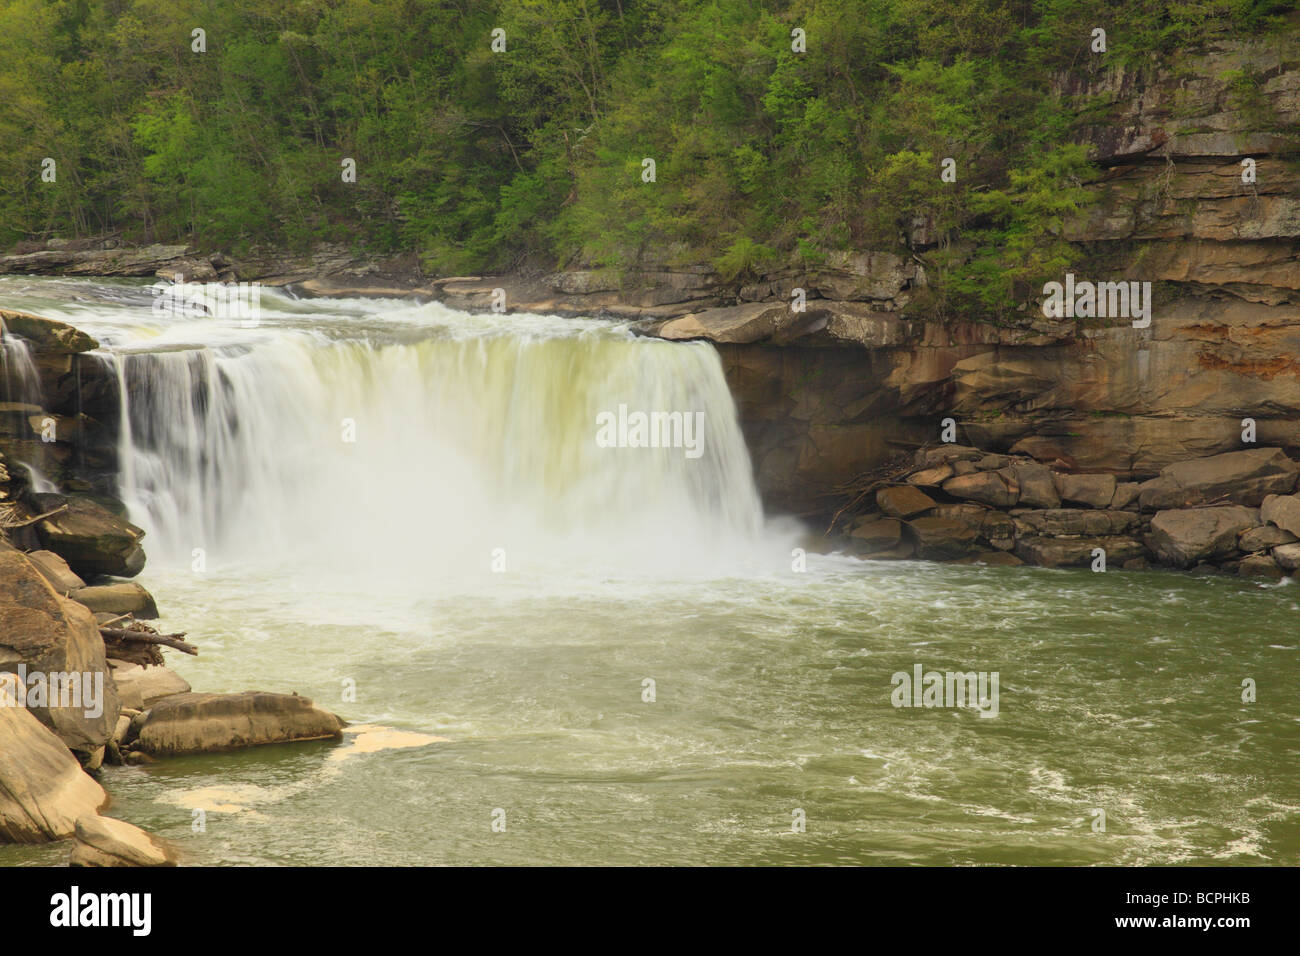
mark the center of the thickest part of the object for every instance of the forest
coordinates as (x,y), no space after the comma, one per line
(481,134)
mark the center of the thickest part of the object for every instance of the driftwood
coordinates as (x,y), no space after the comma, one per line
(29,521)
(144,637)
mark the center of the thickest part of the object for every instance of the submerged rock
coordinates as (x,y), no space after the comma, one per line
(43,790)
(104,841)
(202,723)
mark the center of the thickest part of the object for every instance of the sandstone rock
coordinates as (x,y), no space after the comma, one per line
(877,534)
(1288,556)
(1283,511)
(43,790)
(931,477)
(941,539)
(964,467)
(899,552)
(91,538)
(750,322)
(203,723)
(992,559)
(929,457)
(1095,491)
(1037,486)
(903,501)
(48,335)
(55,570)
(141,687)
(1126,495)
(1259,566)
(997,488)
(1136,564)
(52,637)
(103,841)
(1077,552)
(1243,477)
(993,462)
(1185,536)
(125,598)
(1263,538)
(1058,522)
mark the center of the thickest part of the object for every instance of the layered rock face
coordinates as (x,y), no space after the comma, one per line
(829,393)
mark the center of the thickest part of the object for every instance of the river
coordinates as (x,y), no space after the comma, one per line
(402,512)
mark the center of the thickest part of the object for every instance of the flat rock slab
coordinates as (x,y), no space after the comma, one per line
(206,723)
(1243,477)
(103,841)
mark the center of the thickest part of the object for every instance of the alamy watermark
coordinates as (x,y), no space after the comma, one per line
(67,689)
(626,429)
(974,689)
(240,301)
(1102,300)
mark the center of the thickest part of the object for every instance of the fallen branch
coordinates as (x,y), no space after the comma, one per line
(140,637)
(49,514)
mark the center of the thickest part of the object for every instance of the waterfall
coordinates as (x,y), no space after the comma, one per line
(432,444)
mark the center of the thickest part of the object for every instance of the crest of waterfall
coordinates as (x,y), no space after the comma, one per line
(440,444)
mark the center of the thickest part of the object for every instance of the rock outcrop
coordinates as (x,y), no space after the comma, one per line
(43,790)
(57,644)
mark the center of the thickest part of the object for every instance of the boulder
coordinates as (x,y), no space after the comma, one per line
(1126,496)
(903,501)
(1095,491)
(931,477)
(204,723)
(1077,552)
(996,488)
(1288,556)
(1037,487)
(941,539)
(55,570)
(1065,522)
(1259,566)
(1263,538)
(125,598)
(1185,536)
(103,841)
(91,538)
(51,639)
(43,790)
(1283,511)
(141,687)
(877,534)
(992,462)
(1243,477)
